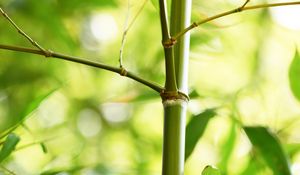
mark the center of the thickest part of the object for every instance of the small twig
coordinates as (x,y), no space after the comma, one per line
(118,70)
(49,53)
(34,43)
(126,29)
(245,3)
(124,34)
(236,10)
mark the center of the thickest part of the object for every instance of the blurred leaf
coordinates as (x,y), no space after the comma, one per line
(294,76)
(292,149)
(145,96)
(28,110)
(155,4)
(227,148)
(209,170)
(194,94)
(44,147)
(253,167)
(269,148)
(195,129)
(8,146)
(70,170)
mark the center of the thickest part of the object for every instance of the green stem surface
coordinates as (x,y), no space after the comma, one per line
(174,137)
(174,108)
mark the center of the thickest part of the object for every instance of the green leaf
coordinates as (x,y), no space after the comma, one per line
(155,4)
(195,129)
(268,145)
(209,170)
(294,76)
(227,148)
(44,147)
(26,113)
(8,146)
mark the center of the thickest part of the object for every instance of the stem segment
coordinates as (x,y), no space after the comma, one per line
(170,84)
(175,108)
(174,137)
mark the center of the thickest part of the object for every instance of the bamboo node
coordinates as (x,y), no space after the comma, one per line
(123,71)
(169,43)
(174,95)
(48,53)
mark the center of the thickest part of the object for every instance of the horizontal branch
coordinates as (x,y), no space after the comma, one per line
(236,10)
(121,71)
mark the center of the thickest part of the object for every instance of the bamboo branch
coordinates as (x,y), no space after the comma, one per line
(48,53)
(121,71)
(34,43)
(236,10)
(170,84)
(126,29)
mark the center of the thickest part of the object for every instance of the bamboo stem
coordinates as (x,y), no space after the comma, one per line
(174,137)
(175,108)
(170,83)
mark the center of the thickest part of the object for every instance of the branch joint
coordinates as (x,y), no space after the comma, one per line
(174,95)
(123,71)
(169,43)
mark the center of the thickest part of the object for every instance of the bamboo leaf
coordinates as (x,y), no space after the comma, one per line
(195,129)
(9,145)
(44,147)
(209,170)
(155,4)
(227,148)
(26,113)
(269,147)
(294,76)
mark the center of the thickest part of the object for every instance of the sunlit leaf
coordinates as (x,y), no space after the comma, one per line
(195,129)
(227,148)
(294,76)
(269,147)
(70,170)
(8,146)
(26,113)
(253,167)
(155,4)
(209,170)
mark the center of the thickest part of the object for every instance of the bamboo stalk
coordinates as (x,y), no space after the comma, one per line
(175,108)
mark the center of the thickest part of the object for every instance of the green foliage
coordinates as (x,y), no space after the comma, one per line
(8,146)
(209,170)
(268,146)
(103,123)
(228,148)
(24,114)
(294,74)
(195,129)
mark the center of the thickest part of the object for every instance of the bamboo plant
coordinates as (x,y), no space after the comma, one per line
(175,32)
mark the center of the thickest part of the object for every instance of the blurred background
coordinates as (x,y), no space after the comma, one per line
(73,119)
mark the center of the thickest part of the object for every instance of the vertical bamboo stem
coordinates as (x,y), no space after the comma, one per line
(175,108)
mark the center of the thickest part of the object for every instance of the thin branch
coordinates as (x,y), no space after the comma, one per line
(49,53)
(118,70)
(34,43)
(170,83)
(236,10)
(127,27)
(124,34)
